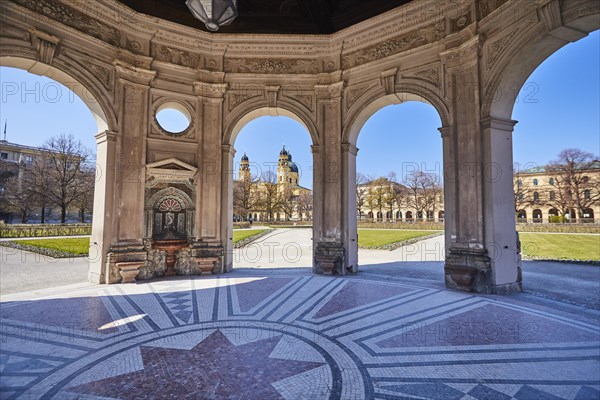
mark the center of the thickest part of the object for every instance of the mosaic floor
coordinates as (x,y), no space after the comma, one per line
(292,336)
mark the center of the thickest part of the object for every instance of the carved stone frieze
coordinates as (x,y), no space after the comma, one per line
(235,97)
(74,19)
(176,56)
(331,91)
(459,23)
(210,90)
(398,44)
(271,66)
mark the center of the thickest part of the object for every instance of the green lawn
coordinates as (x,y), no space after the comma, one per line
(372,238)
(78,246)
(561,247)
(245,233)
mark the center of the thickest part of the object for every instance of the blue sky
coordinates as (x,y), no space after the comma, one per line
(563,111)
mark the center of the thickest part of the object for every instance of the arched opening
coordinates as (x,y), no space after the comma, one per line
(51,114)
(537,215)
(399,176)
(271,187)
(522,216)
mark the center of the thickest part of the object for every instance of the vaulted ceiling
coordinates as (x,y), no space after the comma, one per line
(276,16)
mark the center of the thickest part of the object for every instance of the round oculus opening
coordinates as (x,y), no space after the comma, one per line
(173,117)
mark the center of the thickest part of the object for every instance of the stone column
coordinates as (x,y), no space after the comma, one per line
(227,154)
(329,255)
(350,234)
(212,203)
(104,190)
(480,219)
(499,209)
(132,105)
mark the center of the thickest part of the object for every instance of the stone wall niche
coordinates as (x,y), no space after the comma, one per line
(169,215)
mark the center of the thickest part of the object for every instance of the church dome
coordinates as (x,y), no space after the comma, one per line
(283,152)
(244,157)
(293,167)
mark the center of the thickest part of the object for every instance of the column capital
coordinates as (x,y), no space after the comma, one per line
(228,149)
(349,148)
(105,136)
(501,124)
(133,74)
(210,90)
(445,131)
(388,80)
(330,91)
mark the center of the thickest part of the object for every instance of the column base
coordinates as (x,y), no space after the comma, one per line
(208,258)
(329,259)
(470,270)
(122,254)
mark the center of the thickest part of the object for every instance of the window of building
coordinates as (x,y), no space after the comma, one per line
(28,160)
(551,181)
(521,196)
(4,156)
(535,182)
(586,179)
(552,195)
(586,194)
(536,196)
(520,183)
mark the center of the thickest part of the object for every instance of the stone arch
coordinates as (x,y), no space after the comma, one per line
(524,55)
(367,106)
(242,115)
(69,73)
(178,194)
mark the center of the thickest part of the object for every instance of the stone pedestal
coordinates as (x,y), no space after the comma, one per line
(129,270)
(122,254)
(206,266)
(329,258)
(469,269)
(208,257)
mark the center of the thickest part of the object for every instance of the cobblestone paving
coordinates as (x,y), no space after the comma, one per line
(292,335)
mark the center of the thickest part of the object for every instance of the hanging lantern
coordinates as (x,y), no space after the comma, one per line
(213,13)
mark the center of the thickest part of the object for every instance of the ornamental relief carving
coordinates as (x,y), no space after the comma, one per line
(176,56)
(270,66)
(495,49)
(103,74)
(74,19)
(398,44)
(431,75)
(235,97)
(354,93)
(459,23)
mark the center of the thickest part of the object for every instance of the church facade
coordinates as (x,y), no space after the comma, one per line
(271,196)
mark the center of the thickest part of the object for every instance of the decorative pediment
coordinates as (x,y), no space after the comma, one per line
(170,170)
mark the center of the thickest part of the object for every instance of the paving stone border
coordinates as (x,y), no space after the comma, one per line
(248,240)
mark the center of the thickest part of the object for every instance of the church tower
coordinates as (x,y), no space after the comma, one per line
(283,170)
(244,174)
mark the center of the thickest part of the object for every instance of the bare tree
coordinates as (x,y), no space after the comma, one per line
(573,172)
(287,202)
(376,194)
(245,196)
(521,192)
(18,197)
(61,166)
(361,193)
(269,200)
(416,183)
(432,191)
(305,202)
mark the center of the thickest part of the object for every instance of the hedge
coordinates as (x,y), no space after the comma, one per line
(39,230)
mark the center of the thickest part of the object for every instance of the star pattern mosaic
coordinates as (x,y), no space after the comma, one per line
(282,336)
